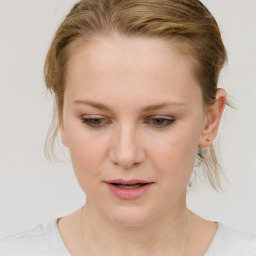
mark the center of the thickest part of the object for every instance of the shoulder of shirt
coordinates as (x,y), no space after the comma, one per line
(34,241)
(232,242)
(39,241)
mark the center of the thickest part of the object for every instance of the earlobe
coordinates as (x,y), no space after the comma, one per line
(63,135)
(212,119)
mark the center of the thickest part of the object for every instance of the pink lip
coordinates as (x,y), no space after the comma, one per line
(129,193)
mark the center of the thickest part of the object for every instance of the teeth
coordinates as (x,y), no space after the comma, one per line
(128,186)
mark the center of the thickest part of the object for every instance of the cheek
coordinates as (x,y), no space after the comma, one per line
(174,156)
(87,154)
(175,148)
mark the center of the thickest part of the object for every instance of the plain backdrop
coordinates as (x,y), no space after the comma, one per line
(33,191)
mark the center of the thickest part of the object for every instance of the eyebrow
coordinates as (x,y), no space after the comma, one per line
(149,108)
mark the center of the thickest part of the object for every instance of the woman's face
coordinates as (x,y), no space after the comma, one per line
(133,113)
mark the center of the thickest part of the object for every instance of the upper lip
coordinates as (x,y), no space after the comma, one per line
(127,182)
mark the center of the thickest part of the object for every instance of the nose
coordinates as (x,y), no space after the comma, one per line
(126,150)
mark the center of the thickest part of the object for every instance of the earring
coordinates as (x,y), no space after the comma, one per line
(195,171)
(199,152)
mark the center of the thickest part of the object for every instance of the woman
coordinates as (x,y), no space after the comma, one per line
(135,84)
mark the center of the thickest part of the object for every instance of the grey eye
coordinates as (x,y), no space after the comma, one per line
(160,122)
(94,122)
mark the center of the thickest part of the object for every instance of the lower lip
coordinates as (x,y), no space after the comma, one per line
(129,193)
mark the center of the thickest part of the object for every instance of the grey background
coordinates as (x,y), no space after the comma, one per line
(33,190)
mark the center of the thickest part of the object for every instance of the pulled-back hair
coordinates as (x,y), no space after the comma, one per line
(187,23)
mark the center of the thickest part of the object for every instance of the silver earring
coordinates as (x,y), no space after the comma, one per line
(198,157)
(194,173)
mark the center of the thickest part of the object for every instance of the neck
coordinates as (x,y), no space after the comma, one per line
(166,235)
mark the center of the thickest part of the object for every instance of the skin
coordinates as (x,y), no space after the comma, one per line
(127,141)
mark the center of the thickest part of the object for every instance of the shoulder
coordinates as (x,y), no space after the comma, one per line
(232,242)
(40,240)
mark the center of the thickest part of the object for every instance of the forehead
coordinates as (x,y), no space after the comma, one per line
(137,65)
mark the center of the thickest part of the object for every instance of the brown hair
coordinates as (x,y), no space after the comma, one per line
(187,22)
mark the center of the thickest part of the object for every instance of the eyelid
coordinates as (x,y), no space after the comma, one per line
(93,116)
(161,117)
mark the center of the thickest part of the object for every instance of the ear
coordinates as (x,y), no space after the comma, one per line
(63,134)
(212,119)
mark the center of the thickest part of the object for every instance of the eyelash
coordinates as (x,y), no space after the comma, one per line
(167,121)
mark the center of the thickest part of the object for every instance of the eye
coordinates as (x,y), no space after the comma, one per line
(160,122)
(94,121)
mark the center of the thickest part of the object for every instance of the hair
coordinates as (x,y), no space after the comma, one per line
(187,23)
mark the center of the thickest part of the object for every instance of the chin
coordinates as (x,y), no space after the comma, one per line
(131,216)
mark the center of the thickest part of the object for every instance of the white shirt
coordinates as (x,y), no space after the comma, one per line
(45,240)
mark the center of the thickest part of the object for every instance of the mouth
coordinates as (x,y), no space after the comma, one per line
(129,186)
(129,189)
(128,183)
